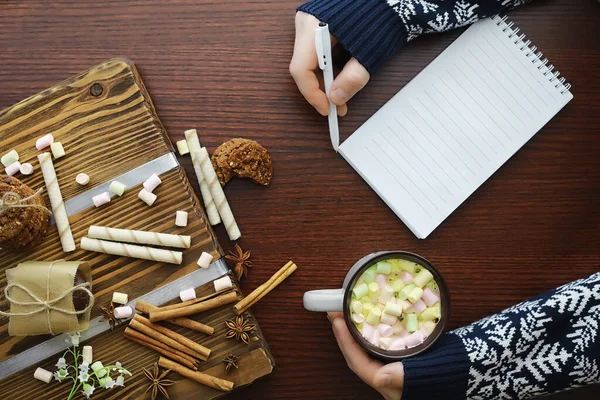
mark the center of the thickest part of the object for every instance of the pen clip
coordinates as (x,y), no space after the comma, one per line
(323,46)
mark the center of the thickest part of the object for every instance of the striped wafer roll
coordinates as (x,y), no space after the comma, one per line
(217,193)
(139,237)
(131,250)
(191,136)
(56,201)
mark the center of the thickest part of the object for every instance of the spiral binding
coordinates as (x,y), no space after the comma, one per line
(532,54)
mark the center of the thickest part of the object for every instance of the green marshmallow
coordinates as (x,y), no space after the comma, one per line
(406,291)
(360,291)
(423,278)
(412,322)
(432,313)
(367,306)
(369,275)
(98,368)
(398,285)
(373,290)
(415,295)
(395,265)
(384,267)
(433,286)
(117,188)
(374,316)
(409,266)
(393,309)
(9,158)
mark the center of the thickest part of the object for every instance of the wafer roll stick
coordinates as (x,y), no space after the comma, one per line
(265,288)
(131,250)
(144,307)
(56,201)
(160,348)
(161,315)
(201,351)
(132,333)
(200,377)
(139,237)
(218,195)
(191,136)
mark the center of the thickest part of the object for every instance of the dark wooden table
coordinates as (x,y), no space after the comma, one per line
(222,67)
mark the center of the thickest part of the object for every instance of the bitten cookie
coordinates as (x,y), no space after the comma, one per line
(244,158)
(24,226)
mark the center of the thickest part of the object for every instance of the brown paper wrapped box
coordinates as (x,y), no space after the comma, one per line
(49,297)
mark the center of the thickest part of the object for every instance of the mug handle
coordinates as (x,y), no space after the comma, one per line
(326,300)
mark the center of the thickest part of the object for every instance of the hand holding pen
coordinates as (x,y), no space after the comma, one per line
(304,63)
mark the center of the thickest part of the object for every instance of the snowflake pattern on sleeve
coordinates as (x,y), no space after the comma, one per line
(427,16)
(544,345)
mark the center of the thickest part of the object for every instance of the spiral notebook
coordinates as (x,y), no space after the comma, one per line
(449,129)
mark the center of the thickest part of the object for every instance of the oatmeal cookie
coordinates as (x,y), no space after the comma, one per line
(244,158)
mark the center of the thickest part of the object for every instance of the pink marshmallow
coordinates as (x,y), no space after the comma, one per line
(419,306)
(385,330)
(152,182)
(44,142)
(386,294)
(414,339)
(429,297)
(101,199)
(13,168)
(407,277)
(424,333)
(381,281)
(375,339)
(123,312)
(368,330)
(397,344)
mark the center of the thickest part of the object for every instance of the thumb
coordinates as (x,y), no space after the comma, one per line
(390,375)
(352,78)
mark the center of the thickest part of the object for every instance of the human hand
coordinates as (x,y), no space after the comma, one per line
(304,63)
(387,379)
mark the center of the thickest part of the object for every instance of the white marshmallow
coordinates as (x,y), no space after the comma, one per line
(13,168)
(187,294)
(385,330)
(123,312)
(204,260)
(26,169)
(43,375)
(386,294)
(57,149)
(358,318)
(181,218)
(397,344)
(414,339)
(147,197)
(82,179)
(388,319)
(385,342)
(87,354)
(152,182)
(44,142)
(223,283)
(428,327)
(120,298)
(101,199)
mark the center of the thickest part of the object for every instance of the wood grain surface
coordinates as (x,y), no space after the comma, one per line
(222,67)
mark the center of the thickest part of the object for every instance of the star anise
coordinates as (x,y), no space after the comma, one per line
(232,362)
(238,328)
(158,383)
(241,259)
(109,315)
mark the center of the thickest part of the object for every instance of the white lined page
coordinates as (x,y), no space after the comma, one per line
(449,129)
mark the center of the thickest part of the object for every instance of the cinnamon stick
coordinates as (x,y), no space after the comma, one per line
(145,307)
(194,301)
(265,288)
(161,315)
(160,348)
(200,377)
(200,351)
(161,337)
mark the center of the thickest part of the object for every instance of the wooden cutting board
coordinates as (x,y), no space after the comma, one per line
(108,126)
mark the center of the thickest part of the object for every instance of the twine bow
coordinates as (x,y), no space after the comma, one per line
(48,304)
(13,200)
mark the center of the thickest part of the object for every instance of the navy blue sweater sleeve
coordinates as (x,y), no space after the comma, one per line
(373,30)
(546,344)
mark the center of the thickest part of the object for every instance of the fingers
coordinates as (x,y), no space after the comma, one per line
(389,375)
(304,63)
(359,362)
(352,79)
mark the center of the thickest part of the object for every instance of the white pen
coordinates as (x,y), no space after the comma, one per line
(323,45)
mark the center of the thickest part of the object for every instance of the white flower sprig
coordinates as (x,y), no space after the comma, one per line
(87,378)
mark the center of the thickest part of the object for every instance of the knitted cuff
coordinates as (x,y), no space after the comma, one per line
(370,30)
(440,373)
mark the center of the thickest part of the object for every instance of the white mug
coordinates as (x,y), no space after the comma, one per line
(338,300)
